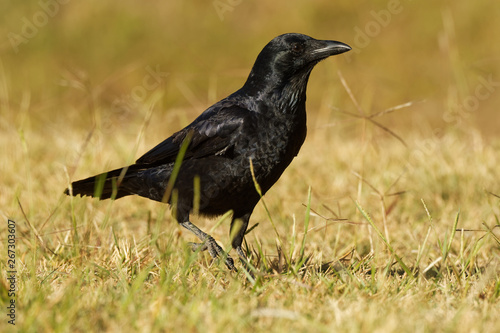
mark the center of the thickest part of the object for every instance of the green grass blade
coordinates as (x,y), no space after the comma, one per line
(389,246)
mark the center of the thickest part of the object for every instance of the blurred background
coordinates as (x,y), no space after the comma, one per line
(62,59)
(80,80)
(405,125)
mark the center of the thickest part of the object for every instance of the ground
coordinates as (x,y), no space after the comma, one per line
(388,220)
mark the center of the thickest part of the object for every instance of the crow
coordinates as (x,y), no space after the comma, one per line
(250,136)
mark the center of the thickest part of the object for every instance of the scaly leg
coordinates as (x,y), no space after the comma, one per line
(240,222)
(208,243)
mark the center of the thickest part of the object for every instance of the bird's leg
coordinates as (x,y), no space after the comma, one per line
(208,243)
(241,254)
(244,261)
(237,233)
(243,258)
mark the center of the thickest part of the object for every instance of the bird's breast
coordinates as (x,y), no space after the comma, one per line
(272,145)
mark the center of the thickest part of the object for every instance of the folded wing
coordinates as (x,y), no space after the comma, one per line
(212,133)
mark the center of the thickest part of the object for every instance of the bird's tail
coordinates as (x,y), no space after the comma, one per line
(105,185)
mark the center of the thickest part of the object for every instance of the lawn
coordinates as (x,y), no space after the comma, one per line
(387,221)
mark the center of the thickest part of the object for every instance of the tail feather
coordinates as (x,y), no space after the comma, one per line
(105,185)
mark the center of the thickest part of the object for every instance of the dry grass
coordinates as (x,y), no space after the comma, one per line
(388,220)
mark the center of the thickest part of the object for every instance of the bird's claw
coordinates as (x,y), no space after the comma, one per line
(198,246)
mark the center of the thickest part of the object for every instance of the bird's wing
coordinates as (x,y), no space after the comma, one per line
(212,133)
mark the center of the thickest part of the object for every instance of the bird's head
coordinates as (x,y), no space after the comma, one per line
(289,58)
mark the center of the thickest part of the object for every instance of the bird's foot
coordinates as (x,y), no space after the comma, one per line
(215,251)
(245,262)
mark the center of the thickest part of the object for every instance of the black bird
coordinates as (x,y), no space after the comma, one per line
(263,124)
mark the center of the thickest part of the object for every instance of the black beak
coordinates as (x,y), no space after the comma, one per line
(325,48)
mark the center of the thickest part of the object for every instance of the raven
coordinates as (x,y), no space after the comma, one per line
(261,127)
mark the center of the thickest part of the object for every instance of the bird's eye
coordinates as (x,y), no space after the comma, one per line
(297,48)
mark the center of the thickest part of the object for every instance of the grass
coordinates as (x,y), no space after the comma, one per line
(388,220)
(432,266)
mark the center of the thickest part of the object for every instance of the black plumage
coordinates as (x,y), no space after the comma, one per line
(263,122)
